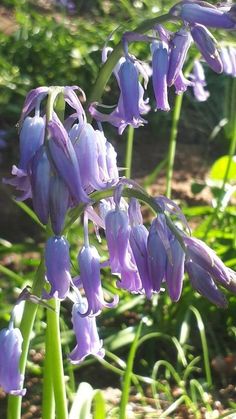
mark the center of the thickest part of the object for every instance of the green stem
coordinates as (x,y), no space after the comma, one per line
(48,410)
(128,375)
(27,322)
(129,152)
(55,351)
(232,149)
(172,143)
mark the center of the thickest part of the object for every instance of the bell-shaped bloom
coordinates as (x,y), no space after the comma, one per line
(58,203)
(181,84)
(192,12)
(88,342)
(129,85)
(226,60)
(11,380)
(179,48)
(117,234)
(175,269)
(89,263)
(206,44)
(157,255)
(199,82)
(31,138)
(129,278)
(138,243)
(232,54)
(160,65)
(207,259)
(64,158)
(21,182)
(107,160)
(202,282)
(40,183)
(33,98)
(57,262)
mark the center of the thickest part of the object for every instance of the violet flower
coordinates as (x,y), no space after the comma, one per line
(206,44)
(58,203)
(192,12)
(40,183)
(179,48)
(175,269)
(64,158)
(11,380)
(226,60)
(181,83)
(157,256)
(21,182)
(57,262)
(88,342)
(89,263)
(202,282)
(31,138)
(160,65)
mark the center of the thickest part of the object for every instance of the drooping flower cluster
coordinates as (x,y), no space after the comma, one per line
(169,51)
(64,160)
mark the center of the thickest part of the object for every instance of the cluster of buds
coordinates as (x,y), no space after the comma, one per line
(169,51)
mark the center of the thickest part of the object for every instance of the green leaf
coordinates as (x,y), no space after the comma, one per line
(218,169)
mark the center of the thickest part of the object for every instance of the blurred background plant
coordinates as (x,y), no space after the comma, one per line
(182,361)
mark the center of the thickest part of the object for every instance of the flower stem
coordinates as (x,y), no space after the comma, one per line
(27,322)
(129,152)
(48,409)
(55,354)
(172,143)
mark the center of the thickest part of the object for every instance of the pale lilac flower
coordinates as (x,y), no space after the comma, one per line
(202,282)
(203,13)
(40,183)
(11,380)
(160,65)
(179,48)
(181,83)
(21,182)
(232,54)
(157,255)
(226,60)
(88,342)
(57,262)
(89,263)
(33,99)
(199,82)
(206,44)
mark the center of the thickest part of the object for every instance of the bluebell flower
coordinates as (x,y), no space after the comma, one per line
(21,182)
(206,44)
(59,201)
(31,138)
(157,255)
(89,263)
(181,83)
(203,13)
(40,184)
(226,60)
(175,269)
(199,82)
(160,65)
(11,380)
(57,263)
(88,342)
(202,282)
(179,48)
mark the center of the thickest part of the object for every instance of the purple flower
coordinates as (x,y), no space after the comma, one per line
(227,61)
(192,12)
(157,256)
(64,157)
(199,82)
(179,48)
(88,342)
(117,235)
(202,282)
(58,203)
(175,269)
(89,263)
(33,98)
(31,138)
(11,380)
(57,262)
(206,44)
(40,183)
(201,254)
(160,65)
(21,182)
